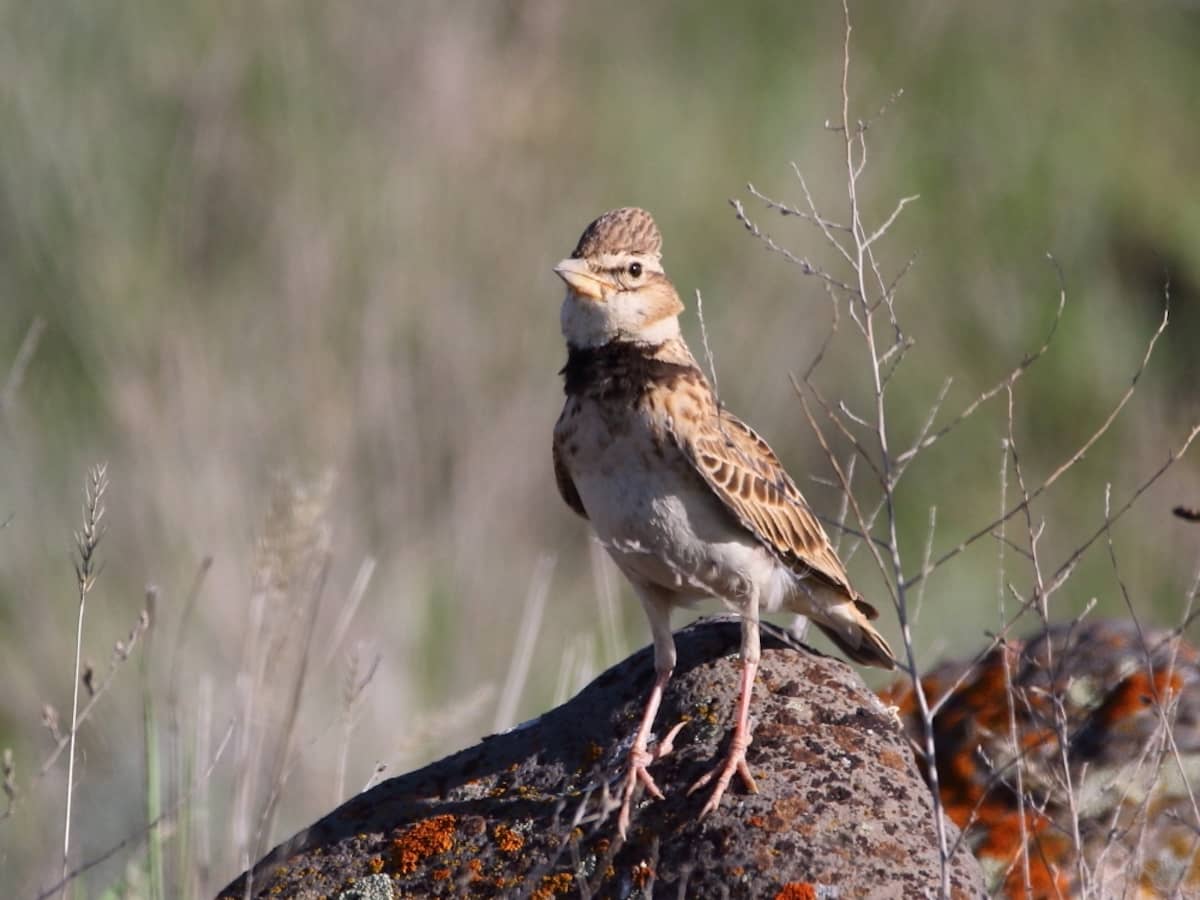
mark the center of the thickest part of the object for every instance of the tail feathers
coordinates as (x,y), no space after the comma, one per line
(847,624)
(866,608)
(844,618)
(870,650)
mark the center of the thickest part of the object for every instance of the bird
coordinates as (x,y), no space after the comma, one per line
(688,500)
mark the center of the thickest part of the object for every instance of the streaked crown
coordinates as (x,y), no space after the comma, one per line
(624,230)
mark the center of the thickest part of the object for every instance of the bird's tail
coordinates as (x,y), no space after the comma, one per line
(848,624)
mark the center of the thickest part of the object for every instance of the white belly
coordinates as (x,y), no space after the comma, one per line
(661,523)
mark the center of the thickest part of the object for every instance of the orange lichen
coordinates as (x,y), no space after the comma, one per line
(1037,737)
(1046,880)
(997,829)
(440,874)
(507,840)
(553,885)
(1136,693)
(642,873)
(427,838)
(893,760)
(375,864)
(797,890)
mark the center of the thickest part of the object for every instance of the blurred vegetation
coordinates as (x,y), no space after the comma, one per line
(309,245)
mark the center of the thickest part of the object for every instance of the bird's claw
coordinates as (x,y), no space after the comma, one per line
(735,762)
(640,759)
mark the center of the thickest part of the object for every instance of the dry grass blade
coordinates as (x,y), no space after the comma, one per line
(86,541)
(9,770)
(358,590)
(122,650)
(20,363)
(140,835)
(354,686)
(287,747)
(531,623)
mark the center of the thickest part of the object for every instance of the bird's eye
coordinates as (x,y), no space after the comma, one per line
(635,269)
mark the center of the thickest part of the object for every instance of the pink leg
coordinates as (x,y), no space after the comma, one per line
(640,757)
(736,760)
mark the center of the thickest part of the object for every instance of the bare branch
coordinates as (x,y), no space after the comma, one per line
(783,209)
(1066,466)
(805,266)
(887,223)
(816,217)
(995,389)
(841,426)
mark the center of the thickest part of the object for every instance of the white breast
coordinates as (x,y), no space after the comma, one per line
(655,515)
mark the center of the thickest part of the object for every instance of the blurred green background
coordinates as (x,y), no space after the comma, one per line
(292,266)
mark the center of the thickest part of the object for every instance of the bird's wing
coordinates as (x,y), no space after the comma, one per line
(747,477)
(566,487)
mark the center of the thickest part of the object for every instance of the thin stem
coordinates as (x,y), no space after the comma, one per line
(86,541)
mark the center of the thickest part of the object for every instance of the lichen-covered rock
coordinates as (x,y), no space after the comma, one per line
(842,809)
(1096,727)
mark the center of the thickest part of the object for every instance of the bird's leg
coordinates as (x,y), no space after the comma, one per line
(735,760)
(640,757)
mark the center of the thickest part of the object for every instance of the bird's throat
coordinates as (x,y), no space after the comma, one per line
(621,370)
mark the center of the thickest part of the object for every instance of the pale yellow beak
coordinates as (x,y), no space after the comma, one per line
(581,279)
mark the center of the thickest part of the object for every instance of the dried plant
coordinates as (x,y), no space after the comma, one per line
(86,541)
(869,297)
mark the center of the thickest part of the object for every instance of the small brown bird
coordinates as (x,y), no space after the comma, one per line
(687,499)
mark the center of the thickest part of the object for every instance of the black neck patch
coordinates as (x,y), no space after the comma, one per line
(619,370)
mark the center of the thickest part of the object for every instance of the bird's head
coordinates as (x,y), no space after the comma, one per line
(616,287)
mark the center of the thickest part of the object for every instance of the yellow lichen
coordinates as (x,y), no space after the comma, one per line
(553,885)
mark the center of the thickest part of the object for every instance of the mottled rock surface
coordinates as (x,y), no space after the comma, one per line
(842,809)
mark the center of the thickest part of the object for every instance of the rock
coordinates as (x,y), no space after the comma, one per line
(842,810)
(1121,707)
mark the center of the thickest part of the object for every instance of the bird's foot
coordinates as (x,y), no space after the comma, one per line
(640,759)
(735,762)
